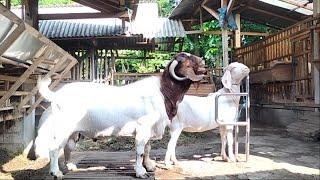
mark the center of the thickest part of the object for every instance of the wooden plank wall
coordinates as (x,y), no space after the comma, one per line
(292,46)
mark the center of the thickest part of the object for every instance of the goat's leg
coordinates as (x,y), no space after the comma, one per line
(54,164)
(230,144)
(142,138)
(223,136)
(149,164)
(171,149)
(70,146)
(59,141)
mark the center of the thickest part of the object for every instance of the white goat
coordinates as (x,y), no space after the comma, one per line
(197,114)
(143,109)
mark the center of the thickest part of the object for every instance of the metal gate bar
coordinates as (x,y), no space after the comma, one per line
(237,124)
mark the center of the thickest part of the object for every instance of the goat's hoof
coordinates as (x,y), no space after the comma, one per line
(232,159)
(225,158)
(141,173)
(175,162)
(57,175)
(150,165)
(143,176)
(71,167)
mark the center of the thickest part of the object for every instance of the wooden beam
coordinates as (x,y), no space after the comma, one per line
(55,83)
(14,79)
(8,4)
(31,15)
(17,93)
(229,33)
(8,14)
(272,14)
(237,33)
(21,79)
(230,6)
(316,56)
(225,45)
(20,64)
(212,12)
(93,5)
(11,38)
(48,75)
(298,4)
(110,4)
(80,15)
(254,34)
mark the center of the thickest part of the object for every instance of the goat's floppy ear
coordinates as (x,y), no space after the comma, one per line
(226,79)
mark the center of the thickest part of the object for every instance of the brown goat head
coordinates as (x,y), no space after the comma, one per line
(187,66)
(183,70)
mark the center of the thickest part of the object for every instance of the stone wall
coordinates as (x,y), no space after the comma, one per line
(17,135)
(300,122)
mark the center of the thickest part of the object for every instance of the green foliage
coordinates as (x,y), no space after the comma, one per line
(207,46)
(247,26)
(44,2)
(165,6)
(210,47)
(142,66)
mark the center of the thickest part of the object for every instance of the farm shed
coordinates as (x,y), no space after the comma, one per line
(284,66)
(25,54)
(96,44)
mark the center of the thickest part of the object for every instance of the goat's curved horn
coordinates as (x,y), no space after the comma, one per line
(173,74)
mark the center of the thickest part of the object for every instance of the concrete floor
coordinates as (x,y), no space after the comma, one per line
(274,154)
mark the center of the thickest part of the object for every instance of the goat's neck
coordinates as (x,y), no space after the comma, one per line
(235,88)
(173,92)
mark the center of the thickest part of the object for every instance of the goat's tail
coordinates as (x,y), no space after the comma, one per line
(43,85)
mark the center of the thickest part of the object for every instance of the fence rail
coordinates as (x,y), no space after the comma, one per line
(281,64)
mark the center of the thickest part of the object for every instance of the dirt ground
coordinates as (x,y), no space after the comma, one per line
(274,155)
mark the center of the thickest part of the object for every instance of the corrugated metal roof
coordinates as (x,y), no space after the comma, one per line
(70,29)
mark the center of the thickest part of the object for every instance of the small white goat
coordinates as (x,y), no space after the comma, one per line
(141,109)
(197,114)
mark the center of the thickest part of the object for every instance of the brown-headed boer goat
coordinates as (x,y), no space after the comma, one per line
(142,109)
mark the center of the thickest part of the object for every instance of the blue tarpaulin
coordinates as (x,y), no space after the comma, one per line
(226,21)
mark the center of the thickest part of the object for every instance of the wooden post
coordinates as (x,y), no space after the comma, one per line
(113,67)
(92,64)
(237,34)
(316,56)
(224,33)
(8,4)
(31,15)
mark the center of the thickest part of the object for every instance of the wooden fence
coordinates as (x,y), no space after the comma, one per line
(281,65)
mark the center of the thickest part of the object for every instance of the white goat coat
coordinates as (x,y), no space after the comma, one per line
(102,110)
(197,114)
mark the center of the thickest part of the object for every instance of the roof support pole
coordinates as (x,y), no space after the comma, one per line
(224,39)
(8,4)
(316,56)
(237,33)
(31,15)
